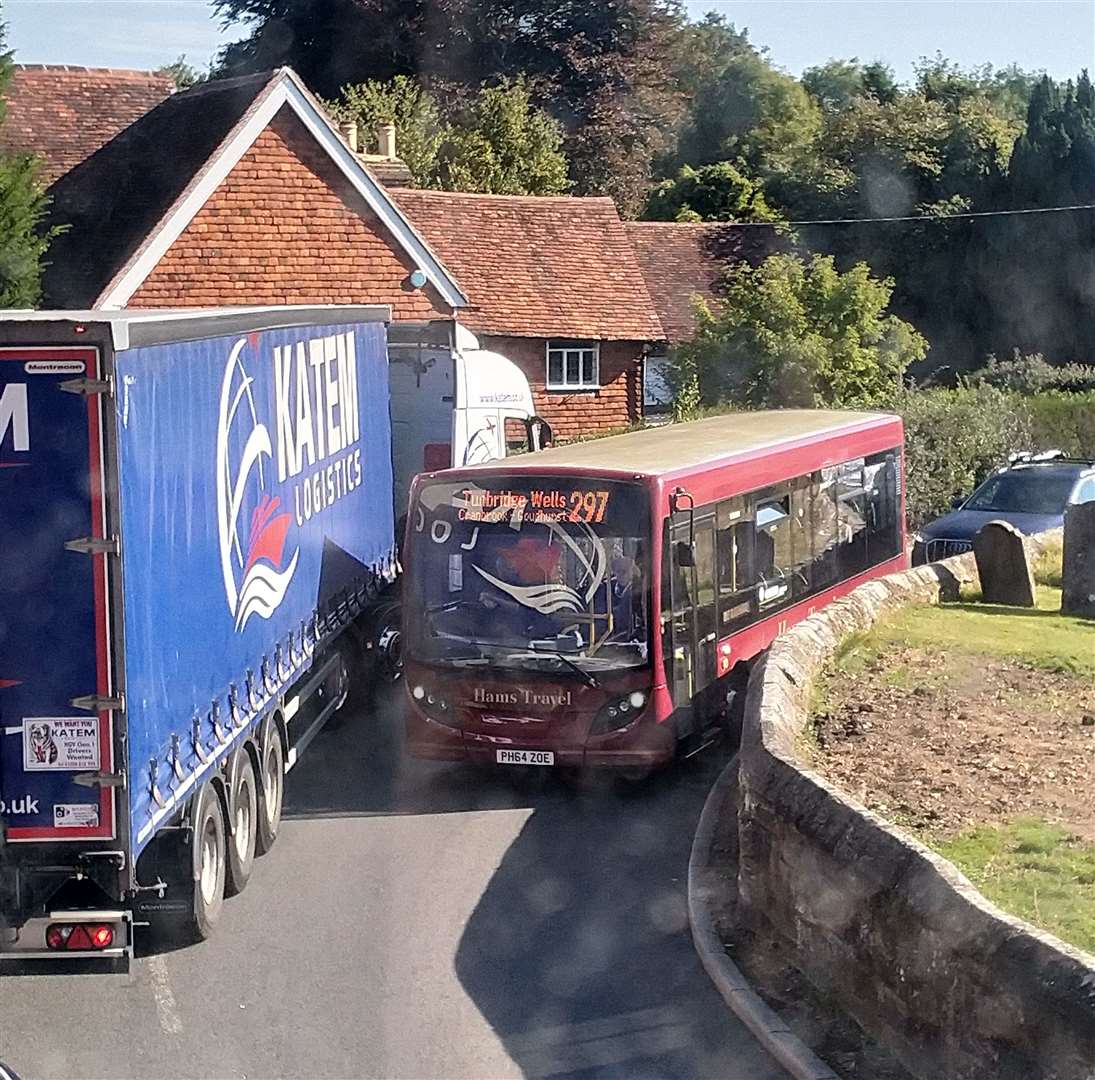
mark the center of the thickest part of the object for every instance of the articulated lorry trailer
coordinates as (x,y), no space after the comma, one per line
(196,529)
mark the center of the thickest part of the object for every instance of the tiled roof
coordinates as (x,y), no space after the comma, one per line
(680,260)
(64,114)
(537,266)
(111,202)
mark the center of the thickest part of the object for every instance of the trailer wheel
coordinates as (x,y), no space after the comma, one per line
(271,788)
(243,806)
(209,849)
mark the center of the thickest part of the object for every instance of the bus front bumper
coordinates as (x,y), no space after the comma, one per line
(645,744)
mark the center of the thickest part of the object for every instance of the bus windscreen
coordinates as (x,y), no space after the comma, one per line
(519,570)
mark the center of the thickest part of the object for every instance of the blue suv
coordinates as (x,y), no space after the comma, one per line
(1031,491)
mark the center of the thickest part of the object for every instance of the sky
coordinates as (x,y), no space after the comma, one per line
(1057,36)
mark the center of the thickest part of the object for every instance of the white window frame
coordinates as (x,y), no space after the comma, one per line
(579,350)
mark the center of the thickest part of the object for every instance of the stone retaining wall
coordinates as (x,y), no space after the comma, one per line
(955,987)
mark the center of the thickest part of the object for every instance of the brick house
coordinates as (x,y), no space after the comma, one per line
(242,191)
(552,283)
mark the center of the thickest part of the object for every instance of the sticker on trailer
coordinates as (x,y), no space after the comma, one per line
(75,816)
(60,743)
(54,367)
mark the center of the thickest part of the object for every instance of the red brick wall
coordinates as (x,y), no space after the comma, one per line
(617,403)
(285,227)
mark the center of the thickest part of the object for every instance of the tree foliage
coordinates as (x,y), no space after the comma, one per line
(1033,374)
(798,333)
(886,153)
(740,107)
(502,143)
(23,205)
(959,140)
(1054,160)
(495,140)
(184,73)
(711,193)
(953,439)
(602,70)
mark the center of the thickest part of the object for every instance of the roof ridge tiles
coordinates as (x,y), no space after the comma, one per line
(485,196)
(686,224)
(216,86)
(79,69)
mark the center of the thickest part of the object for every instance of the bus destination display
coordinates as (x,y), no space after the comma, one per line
(582,505)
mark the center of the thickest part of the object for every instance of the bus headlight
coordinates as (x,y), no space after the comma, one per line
(433,705)
(619,713)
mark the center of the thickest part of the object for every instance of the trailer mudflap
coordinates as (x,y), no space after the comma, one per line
(54,620)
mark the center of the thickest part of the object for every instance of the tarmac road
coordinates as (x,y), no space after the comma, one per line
(421,921)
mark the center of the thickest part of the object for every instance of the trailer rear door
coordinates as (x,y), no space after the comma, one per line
(53,600)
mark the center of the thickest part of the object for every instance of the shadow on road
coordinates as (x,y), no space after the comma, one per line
(578,953)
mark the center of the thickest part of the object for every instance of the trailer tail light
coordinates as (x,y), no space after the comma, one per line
(102,937)
(57,936)
(79,937)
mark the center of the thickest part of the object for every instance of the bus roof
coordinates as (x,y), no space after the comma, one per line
(673,448)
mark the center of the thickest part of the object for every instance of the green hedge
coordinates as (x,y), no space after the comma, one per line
(955,437)
(1061,421)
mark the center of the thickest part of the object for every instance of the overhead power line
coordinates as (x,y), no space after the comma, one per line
(916,217)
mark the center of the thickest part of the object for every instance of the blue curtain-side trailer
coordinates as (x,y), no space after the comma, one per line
(195,508)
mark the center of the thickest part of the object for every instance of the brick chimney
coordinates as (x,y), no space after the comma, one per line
(385,165)
(349,133)
(385,140)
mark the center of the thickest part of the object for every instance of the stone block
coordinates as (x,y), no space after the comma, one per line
(1003,566)
(1079,562)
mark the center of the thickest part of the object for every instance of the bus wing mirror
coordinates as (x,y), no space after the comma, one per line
(684,554)
(681,501)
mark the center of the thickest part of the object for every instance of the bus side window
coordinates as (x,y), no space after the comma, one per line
(802,544)
(883,507)
(706,621)
(667,606)
(783,546)
(823,512)
(734,543)
(852,518)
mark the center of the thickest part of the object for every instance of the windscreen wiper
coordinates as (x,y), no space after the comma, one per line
(588,676)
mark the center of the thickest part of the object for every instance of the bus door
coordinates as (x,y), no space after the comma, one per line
(694,633)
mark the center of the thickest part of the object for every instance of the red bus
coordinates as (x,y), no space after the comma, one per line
(595,604)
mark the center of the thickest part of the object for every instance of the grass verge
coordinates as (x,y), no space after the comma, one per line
(1035,870)
(1040,636)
